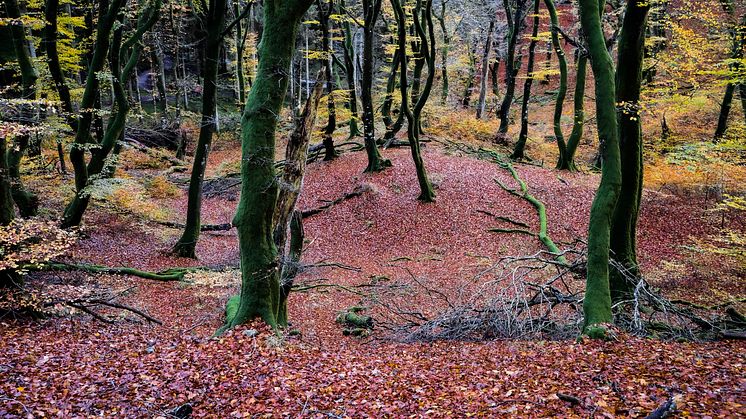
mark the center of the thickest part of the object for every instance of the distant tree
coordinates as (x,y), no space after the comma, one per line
(483,71)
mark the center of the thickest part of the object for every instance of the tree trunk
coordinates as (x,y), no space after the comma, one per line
(392,127)
(118,117)
(326,39)
(559,103)
(483,71)
(215,21)
(376,163)
(631,51)
(108,14)
(568,160)
(444,52)
(349,53)
(427,194)
(471,73)
(738,34)
(26,200)
(260,286)
(7,212)
(597,301)
(53,61)
(512,65)
(520,145)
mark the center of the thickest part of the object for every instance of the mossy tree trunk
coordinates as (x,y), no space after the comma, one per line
(260,285)
(631,50)
(392,126)
(484,71)
(562,92)
(567,160)
(520,146)
(94,170)
(376,163)
(214,21)
(349,54)
(7,211)
(597,301)
(26,200)
(512,65)
(108,12)
(427,46)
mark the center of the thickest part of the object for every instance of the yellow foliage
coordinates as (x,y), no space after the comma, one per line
(160,187)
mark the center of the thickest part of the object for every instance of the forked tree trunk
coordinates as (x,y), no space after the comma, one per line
(597,301)
(260,284)
(427,194)
(520,145)
(631,51)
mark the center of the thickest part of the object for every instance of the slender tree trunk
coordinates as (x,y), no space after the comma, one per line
(515,18)
(392,126)
(739,44)
(96,167)
(631,50)
(260,286)
(597,301)
(376,163)
(562,92)
(26,200)
(240,37)
(349,54)
(494,75)
(471,73)
(427,194)
(483,71)
(568,160)
(215,20)
(520,145)
(7,211)
(444,49)
(331,125)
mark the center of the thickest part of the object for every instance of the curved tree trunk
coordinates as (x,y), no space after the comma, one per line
(520,145)
(349,53)
(512,65)
(568,160)
(562,92)
(326,39)
(215,21)
(597,301)
(631,51)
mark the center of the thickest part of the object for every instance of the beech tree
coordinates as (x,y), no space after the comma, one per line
(260,270)
(515,11)
(520,145)
(597,301)
(413,113)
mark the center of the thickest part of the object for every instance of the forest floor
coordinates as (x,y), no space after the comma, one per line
(73,365)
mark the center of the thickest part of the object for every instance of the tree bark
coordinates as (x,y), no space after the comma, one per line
(568,160)
(520,145)
(562,92)
(483,71)
(515,25)
(260,285)
(631,50)
(597,301)
(215,20)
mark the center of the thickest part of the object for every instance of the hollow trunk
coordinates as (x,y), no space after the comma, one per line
(520,145)
(597,301)
(631,50)
(215,21)
(260,285)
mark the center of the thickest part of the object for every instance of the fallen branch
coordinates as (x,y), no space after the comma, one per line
(203,227)
(173,274)
(84,304)
(506,219)
(358,191)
